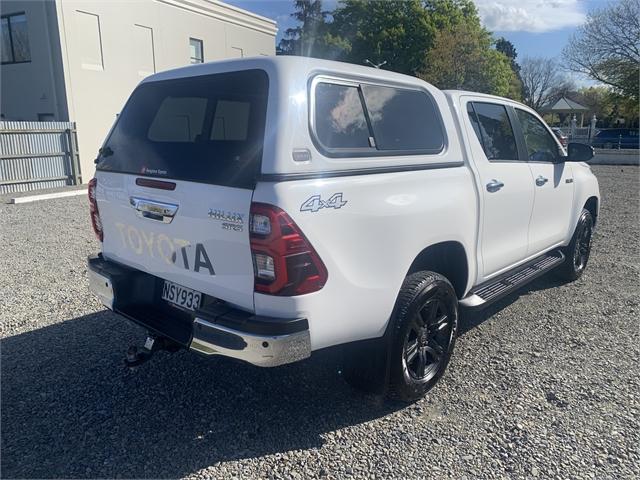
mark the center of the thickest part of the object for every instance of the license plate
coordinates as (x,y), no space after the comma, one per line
(180,296)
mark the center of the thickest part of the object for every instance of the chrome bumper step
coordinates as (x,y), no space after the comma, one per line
(497,288)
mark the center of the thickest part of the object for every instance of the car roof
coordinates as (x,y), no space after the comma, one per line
(289,66)
(298,69)
(456,94)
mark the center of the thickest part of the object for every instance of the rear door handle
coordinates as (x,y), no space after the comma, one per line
(154,210)
(494,185)
(540,181)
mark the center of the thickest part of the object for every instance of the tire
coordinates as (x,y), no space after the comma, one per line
(579,249)
(422,335)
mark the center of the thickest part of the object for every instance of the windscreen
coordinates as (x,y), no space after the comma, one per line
(207,129)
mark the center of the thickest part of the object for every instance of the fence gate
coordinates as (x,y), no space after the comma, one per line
(37,155)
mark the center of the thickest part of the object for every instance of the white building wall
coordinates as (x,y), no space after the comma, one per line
(100,50)
(35,87)
(109,47)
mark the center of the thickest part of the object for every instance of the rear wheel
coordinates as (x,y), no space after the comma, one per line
(415,351)
(579,249)
(424,326)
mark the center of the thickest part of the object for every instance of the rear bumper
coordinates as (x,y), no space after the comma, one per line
(214,329)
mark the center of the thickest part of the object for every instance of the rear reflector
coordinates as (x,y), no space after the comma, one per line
(284,261)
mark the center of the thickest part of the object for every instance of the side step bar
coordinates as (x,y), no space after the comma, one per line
(506,283)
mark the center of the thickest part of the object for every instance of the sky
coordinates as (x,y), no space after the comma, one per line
(537,28)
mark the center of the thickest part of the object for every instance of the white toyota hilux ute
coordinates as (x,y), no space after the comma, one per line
(266,208)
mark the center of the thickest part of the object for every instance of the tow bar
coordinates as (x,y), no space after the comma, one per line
(152,344)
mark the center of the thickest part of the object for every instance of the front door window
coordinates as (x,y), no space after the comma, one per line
(541,145)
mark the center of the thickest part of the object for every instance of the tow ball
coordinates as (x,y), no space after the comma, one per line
(152,344)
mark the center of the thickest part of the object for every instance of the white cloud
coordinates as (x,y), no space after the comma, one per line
(530,15)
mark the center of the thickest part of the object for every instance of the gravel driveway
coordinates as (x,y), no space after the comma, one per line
(544,384)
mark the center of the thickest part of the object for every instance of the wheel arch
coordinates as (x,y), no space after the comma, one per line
(447,258)
(593,206)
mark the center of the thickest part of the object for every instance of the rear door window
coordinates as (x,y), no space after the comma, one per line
(207,129)
(495,131)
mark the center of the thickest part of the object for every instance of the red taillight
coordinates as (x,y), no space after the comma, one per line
(93,209)
(284,262)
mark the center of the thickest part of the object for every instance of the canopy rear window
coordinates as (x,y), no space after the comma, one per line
(367,120)
(207,129)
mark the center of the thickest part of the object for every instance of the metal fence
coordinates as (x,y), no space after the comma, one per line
(37,155)
(581,134)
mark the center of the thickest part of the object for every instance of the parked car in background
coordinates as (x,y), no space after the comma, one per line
(560,135)
(617,138)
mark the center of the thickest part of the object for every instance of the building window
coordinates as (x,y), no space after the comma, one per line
(195,51)
(143,50)
(89,50)
(15,38)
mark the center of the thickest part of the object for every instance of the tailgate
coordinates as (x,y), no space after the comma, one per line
(204,245)
(176,177)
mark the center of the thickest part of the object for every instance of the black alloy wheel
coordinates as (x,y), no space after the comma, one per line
(423,326)
(577,253)
(582,247)
(427,340)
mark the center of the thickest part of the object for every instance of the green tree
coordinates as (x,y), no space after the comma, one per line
(405,33)
(607,47)
(394,31)
(599,102)
(309,38)
(607,105)
(516,89)
(463,58)
(505,46)
(449,13)
(398,32)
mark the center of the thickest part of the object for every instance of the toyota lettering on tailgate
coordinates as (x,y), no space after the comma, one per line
(174,251)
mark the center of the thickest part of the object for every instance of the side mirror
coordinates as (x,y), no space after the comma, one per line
(579,152)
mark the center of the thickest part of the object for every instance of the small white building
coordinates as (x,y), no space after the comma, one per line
(78,60)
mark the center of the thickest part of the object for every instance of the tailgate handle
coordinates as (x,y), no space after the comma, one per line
(154,210)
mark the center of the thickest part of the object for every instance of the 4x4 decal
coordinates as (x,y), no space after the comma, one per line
(315,203)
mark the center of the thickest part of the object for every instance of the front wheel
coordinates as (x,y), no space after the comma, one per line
(424,326)
(579,249)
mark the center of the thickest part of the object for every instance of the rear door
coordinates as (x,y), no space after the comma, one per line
(176,178)
(552,181)
(505,186)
